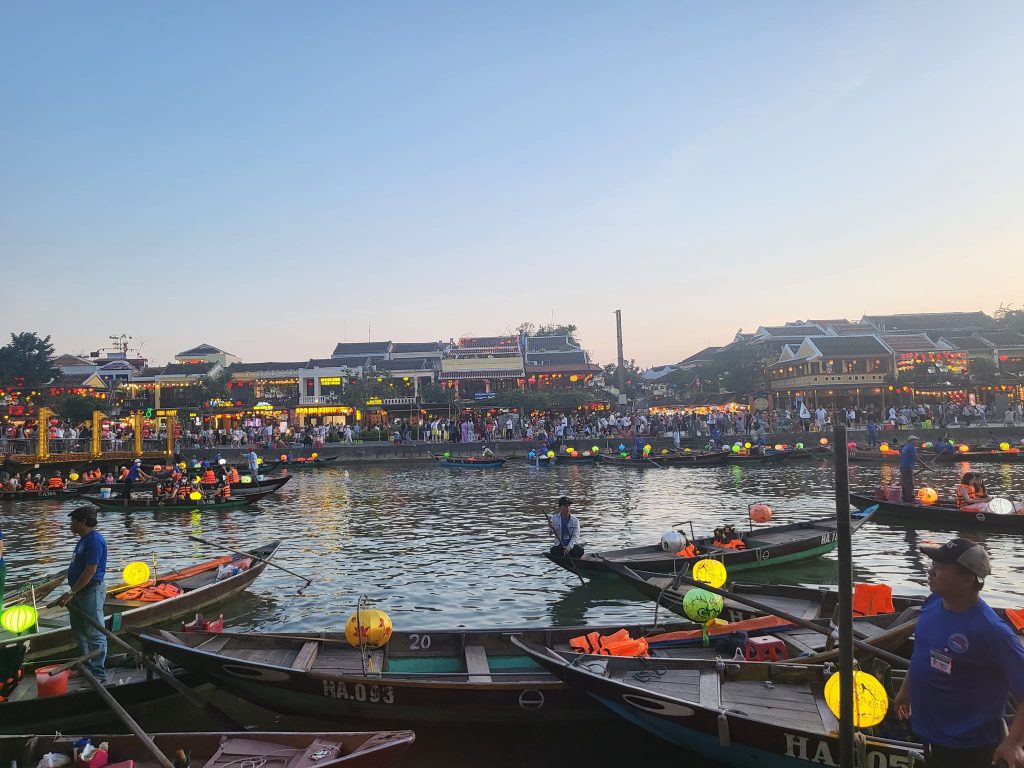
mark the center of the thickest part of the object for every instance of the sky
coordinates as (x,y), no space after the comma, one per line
(273,178)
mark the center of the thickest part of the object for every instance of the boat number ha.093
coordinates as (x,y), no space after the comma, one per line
(419,642)
(374,694)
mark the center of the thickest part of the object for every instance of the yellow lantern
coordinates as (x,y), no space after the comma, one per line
(246,479)
(747,446)
(315,454)
(870,700)
(74,476)
(1004,446)
(135,573)
(963,448)
(259,460)
(18,618)
(927,495)
(368,627)
(195,496)
(711,572)
(884,447)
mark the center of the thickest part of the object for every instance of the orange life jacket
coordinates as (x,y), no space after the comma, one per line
(152,593)
(123,475)
(731,544)
(209,477)
(688,551)
(182,491)
(1016,617)
(224,491)
(233,476)
(55,484)
(971,494)
(872,599)
(616,644)
(29,485)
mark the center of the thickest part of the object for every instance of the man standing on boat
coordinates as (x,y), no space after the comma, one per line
(566,527)
(253,461)
(908,460)
(86,593)
(965,665)
(134,473)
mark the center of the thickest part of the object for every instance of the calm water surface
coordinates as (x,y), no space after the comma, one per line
(440,548)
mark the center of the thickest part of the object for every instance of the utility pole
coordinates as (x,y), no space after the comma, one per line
(621,367)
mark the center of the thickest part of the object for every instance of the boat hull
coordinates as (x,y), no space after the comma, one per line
(937,518)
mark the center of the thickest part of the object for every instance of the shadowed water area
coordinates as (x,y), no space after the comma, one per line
(440,548)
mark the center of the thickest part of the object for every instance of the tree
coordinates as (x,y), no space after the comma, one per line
(213,387)
(983,371)
(76,408)
(559,330)
(1010,319)
(27,361)
(632,379)
(739,369)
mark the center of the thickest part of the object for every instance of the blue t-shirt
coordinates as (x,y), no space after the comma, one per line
(963,668)
(133,472)
(908,456)
(91,549)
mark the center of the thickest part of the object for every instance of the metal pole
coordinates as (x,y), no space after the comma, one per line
(842,474)
(621,368)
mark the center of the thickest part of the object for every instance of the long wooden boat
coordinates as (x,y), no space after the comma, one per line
(320,462)
(934,517)
(367,749)
(24,711)
(873,457)
(666,460)
(265,467)
(236,500)
(734,713)
(36,588)
(774,545)
(246,483)
(468,462)
(201,589)
(581,458)
(43,494)
(993,455)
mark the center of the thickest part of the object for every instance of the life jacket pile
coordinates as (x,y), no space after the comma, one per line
(151,593)
(688,551)
(55,484)
(616,644)
(727,538)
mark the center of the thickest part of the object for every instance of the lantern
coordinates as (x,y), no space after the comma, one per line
(870,700)
(702,606)
(647,448)
(18,618)
(622,447)
(778,447)
(928,446)
(963,448)
(447,454)
(799,446)
(735,449)
(823,441)
(135,573)
(664,451)
(760,513)
(687,450)
(259,460)
(195,495)
(884,447)
(623,454)
(672,541)
(927,495)
(245,479)
(1004,446)
(710,572)
(551,454)
(158,468)
(315,454)
(851,446)
(369,627)
(73,476)
(222,462)
(594,449)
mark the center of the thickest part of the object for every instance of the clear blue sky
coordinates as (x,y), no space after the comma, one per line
(273,177)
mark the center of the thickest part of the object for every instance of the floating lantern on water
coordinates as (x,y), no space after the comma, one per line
(799,446)
(594,449)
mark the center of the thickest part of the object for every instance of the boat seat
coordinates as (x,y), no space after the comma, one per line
(213,644)
(476,664)
(306,656)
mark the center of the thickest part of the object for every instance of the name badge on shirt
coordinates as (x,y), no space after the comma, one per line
(941,662)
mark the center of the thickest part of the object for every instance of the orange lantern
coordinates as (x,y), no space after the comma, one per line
(760,513)
(963,448)
(823,441)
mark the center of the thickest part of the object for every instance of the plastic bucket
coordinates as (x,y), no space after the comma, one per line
(51,686)
(104,493)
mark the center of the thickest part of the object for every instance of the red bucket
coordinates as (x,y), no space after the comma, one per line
(51,686)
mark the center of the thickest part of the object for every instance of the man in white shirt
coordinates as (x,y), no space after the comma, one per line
(566,527)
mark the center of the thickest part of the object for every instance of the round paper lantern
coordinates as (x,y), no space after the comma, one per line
(259,460)
(870,700)
(135,573)
(927,495)
(195,496)
(928,446)
(622,447)
(551,454)
(245,480)
(18,618)
(181,465)
(647,447)
(778,447)
(735,449)
(884,448)
(73,476)
(687,450)
(1004,446)
(710,572)
(672,541)
(623,455)
(747,446)
(594,449)
(157,468)
(284,457)
(799,446)
(664,451)
(823,441)
(447,454)
(760,513)
(315,454)
(851,446)
(532,455)
(702,606)
(370,627)
(222,462)
(963,448)
(1000,506)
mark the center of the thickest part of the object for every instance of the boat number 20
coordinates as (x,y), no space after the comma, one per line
(375,694)
(419,642)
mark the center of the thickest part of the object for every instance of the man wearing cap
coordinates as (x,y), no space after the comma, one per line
(85,577)
(566,528)
(135,473)
(908,459)
(966,663)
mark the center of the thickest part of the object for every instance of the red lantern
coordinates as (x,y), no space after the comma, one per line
(760,513)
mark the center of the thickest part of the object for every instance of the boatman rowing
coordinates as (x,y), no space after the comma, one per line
(566,527)
(908,460)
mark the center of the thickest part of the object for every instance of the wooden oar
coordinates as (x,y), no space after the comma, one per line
(250,554)
(892,658)
(571,561)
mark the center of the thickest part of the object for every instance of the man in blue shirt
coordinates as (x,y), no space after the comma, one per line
(134,473)
(965,665)
(908,459)
(86,593)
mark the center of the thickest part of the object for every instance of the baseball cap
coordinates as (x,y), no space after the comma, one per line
(963,552)
(85,514)
(564,501)
(913,437)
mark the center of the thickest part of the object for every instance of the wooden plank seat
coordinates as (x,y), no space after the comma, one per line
(306,656)
(476,664)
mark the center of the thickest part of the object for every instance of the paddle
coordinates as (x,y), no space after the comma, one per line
(571,561)
(891,658)
(250,554)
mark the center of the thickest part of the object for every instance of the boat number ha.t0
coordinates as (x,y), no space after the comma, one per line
(373,694)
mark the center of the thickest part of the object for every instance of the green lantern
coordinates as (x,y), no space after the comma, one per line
(702,606)
(18,618)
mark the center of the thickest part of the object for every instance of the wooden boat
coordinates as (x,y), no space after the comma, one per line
(991,455)
(937,517)
(37,588)
(24,711)
(43,494)
(468,462)
(376,749)
(435,675)
(320,462)
(665,460)
(734,713)
(201,589)
(873,457)
(581,458)
(236,500)
(266,484)
(265,467)
(773,545)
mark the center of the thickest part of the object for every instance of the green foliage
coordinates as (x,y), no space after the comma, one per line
(1010,319)
(76,408)
(632,381)
(28,357)
(739,369)
(213,387)
(435,393)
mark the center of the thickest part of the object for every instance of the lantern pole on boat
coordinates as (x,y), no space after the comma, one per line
(845,582)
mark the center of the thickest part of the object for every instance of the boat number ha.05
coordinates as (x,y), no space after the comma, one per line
(373,694)
(419,642)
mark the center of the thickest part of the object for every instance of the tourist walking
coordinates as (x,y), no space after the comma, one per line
(85,596)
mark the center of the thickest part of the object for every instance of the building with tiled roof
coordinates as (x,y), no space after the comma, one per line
(836,371)
(697,358)
(960,323)
(403,349)
(206,353)
(379,350)
(481,364)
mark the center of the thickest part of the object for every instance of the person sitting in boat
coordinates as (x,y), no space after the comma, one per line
(223,492)
(29,485)
(181,491)
(108,478)
(980,492)
(208,476)
(566,527)
(966,494)
(233,476)
(13,484)
(123,475)
(726,537)
(55,483)
(160,492)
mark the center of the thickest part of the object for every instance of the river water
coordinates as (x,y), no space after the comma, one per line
(440,548)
